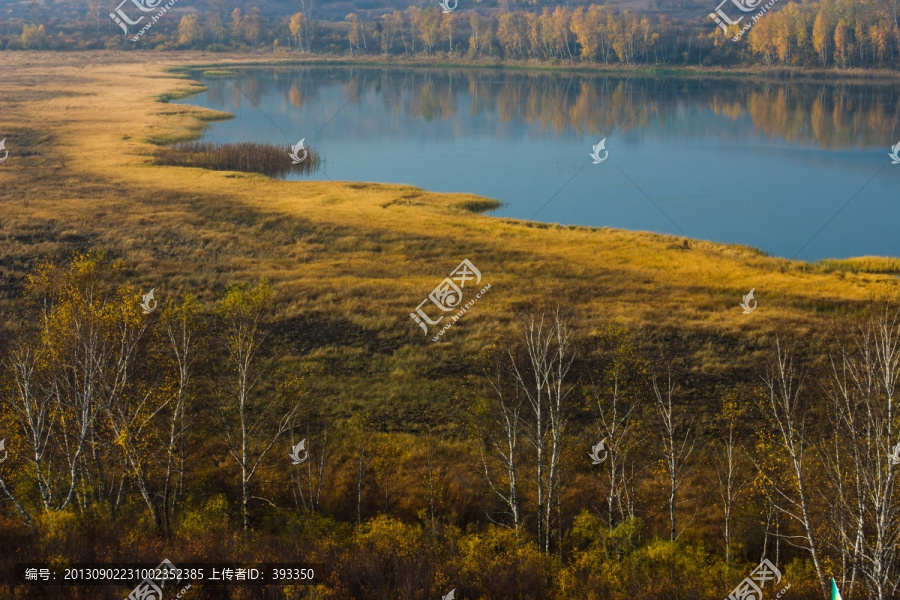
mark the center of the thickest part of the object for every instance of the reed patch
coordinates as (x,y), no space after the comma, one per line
(248,157)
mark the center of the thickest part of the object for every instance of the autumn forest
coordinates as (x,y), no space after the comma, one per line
(839,34)
(174,420)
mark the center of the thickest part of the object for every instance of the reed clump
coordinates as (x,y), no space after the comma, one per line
(862,264)
(248,157)
(479,205)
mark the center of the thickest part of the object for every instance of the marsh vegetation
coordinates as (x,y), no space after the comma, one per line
(247,157)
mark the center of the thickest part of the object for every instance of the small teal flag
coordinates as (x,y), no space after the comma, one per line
(835,594)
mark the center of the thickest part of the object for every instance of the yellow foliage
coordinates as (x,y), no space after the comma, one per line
(386,535)
(214,515)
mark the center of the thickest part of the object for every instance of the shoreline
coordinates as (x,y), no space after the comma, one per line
(857,264)
(107,141)
(685,71)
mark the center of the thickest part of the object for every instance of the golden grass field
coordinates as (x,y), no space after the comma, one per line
(348,261)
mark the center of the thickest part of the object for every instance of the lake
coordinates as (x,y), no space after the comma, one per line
(795,168)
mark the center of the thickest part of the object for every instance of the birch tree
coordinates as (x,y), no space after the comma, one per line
(310,476)
(296,26)
(130,407)
(730,475)
(498,423)
(181,324)
(542,374)
(360,435)
(786,410)
(251,422)
(33,409)
(677,444)
(864,376)
(616,393)
(82,416)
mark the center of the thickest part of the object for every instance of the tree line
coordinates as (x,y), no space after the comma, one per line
(824,34)
(830,33)
(581,462)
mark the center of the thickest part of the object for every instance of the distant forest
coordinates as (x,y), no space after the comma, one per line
(828,34)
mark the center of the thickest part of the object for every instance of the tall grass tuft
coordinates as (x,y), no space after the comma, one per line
(862,264)
(480,205)
(248,157)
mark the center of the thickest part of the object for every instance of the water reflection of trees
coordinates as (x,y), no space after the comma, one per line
(831,115)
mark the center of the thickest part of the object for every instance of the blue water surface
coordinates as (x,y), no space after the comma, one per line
(797,169)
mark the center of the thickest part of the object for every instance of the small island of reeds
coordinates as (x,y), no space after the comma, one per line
(248,157)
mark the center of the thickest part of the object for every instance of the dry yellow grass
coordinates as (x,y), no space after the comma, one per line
(358,257)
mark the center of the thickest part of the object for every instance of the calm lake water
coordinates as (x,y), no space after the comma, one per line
(796,169)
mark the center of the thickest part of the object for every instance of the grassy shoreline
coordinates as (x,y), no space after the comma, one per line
(835,75)
(349,261)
